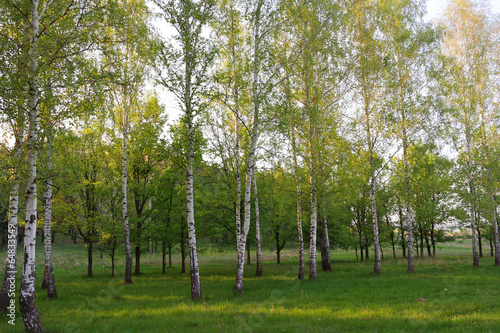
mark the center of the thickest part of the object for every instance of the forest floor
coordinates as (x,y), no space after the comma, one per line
(445,294)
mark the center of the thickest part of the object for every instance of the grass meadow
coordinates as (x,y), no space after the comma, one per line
(458,297)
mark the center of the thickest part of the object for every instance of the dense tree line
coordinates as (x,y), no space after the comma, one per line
(324,124)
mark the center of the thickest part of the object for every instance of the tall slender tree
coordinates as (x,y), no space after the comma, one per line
(470,61)
(184,64)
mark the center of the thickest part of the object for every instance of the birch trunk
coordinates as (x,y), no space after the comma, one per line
(194,270)
(312,179)
(126,225)
(48,278)
(490,185)
(325,262)
(373,189)
(373,201)
(258,238)
(236,136)
(475,252)
(11,261)
(238,286)
(313,231)
(299,204)
(409,215)
(27,305)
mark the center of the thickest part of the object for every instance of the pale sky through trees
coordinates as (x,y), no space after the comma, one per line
(436,7)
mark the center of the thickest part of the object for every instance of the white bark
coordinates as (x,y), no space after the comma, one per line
(12,229)
(299,204)
(128,250)
(475,251)
(195,273)
(27,305)
(236,138)
(326,264)
(409,214)
(238,286)
(48,278)
(258,237)
(313,231)
(490,185)
(373,186)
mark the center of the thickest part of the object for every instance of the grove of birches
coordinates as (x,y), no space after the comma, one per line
(134,126)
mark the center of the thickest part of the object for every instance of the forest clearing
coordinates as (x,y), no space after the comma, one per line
(249,165)
(351,298)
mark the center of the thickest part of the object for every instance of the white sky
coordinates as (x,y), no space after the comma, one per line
(436,7)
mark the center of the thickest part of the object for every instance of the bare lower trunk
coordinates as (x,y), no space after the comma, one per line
(163,257)
(325,260)
(27,305)
(48,278)
(495,231)
(137,260)
(299,204)
(479,239)
(428,246)
(409,224)
(258,237)
(361,248)
(376,239)
(9,280)
(193,253)
(126,225)
(472,213)
(409,215)
(433,243)
(421,243)
(401,226)
(90,258)
(169,257)
(238,287)
(113,263)
(373,189)
(314,221)
(490,184)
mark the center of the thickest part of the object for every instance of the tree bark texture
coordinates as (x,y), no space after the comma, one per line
(258,237)
(12,228)
(48,278)
(238,286)
(27,305)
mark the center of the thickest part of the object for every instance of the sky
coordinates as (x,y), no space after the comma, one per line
(436,7)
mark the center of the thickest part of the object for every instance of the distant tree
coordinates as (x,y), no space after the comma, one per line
(471,65)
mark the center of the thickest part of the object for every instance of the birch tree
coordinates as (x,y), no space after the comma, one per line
(410,43)
(52,33)
(125,59)
(184,62)
(259,10)
(316,30)
(13,112)
(369,58)
(232,92)
(471,44)
(468,84)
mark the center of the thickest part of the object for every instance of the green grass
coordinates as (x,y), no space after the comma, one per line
(459,298)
